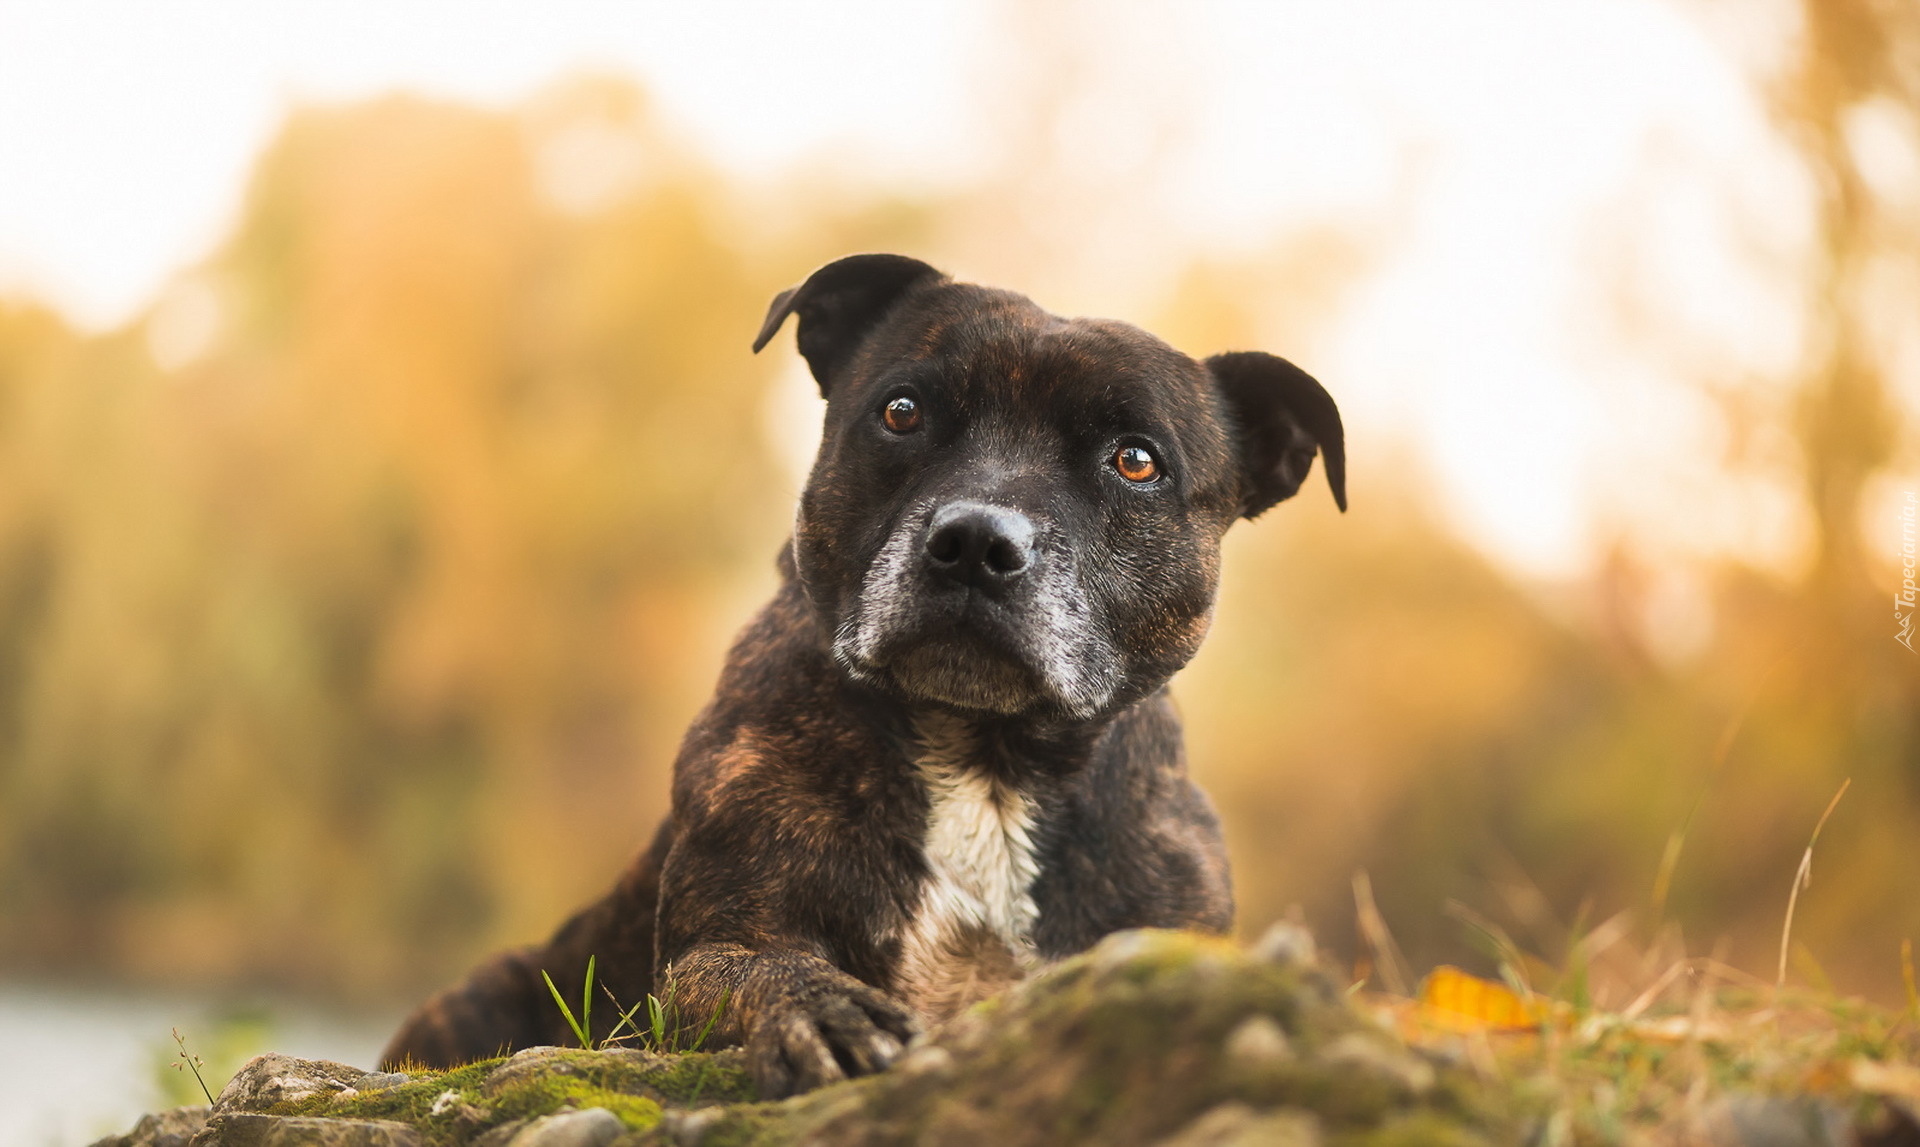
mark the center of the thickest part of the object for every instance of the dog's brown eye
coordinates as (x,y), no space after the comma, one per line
(902,415)
(1136,464)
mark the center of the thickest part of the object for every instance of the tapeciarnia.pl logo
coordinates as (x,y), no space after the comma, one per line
(1903,602)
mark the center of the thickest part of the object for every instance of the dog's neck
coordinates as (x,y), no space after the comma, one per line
(971,930)
(1032,754)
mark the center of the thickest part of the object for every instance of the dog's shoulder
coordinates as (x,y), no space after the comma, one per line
(789,799)
(1132,842)
(783,725)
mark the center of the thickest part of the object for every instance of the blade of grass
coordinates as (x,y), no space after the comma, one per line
(727,993)
(194,1062)
(1373,927)
(1499,945)
(1584,949)
(564,1009)
(1571,984)
(1906,974)
(1645,999)
(586,1007)
(1722,750)
(1716,966)
(1801,878)
(1528,908)
(657,1021)
(1810,970)
(626,1016)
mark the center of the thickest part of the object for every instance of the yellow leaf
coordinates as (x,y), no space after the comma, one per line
(1455,1001)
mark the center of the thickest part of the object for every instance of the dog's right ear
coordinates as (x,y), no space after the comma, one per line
(1282,417)
(838,304)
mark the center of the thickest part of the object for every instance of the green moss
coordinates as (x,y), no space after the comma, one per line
(694,1078)
(410,1102)
(1414,1129)
(532,1098)
(700,1078)
(633,1086)
(751,1125)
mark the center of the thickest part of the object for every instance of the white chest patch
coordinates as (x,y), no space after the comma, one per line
(971,933)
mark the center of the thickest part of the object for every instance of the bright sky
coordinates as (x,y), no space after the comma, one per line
(1513,132)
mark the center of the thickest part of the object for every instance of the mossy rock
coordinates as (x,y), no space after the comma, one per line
(1150,1038)
(462,1105)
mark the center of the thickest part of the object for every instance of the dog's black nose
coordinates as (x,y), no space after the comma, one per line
(979,545)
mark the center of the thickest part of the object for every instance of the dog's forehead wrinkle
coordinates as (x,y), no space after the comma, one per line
(959,317)
(1005,451)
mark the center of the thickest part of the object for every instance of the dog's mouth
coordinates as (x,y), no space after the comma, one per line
(1030,643)
(971,653)
(966,660)
(966,672)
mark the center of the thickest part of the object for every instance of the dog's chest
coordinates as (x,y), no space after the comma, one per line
(971,931)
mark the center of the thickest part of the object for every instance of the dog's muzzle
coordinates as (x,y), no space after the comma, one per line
(979,607)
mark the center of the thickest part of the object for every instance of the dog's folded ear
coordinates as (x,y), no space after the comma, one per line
(1280,416)
(839,303)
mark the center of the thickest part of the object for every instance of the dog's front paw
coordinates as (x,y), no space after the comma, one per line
(830,1029)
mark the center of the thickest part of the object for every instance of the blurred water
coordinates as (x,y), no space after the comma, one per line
(80,1065)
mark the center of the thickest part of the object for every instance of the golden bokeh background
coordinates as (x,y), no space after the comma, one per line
(354,595)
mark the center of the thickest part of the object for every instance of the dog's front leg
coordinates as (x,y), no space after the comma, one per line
(804,1022)
(769,902)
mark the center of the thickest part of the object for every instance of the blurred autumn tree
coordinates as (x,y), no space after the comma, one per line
(331,650)
(1422,717)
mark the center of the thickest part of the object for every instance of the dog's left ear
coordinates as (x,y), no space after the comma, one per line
(838,303)
(1281,416)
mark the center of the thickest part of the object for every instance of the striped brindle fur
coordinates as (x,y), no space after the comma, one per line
(943,755)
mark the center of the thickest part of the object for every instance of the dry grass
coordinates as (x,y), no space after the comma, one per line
(1628,1039)
(1699,1047)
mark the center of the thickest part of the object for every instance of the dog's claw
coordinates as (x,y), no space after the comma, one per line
(827,1036)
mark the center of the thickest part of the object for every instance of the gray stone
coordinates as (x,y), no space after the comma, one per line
(1121,948)
(1370,1053)
(533,1063)
(247,1129)
(1778,1121)
(1285,943)
(272,1079)
(381,1080)
(592,1127)
(502,1135)
(162,1129)
(1238,1125)
(1258,1042)
(687,1128)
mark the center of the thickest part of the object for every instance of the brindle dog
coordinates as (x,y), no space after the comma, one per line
(943,755)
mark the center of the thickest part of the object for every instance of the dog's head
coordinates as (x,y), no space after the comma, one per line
(1016,513)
